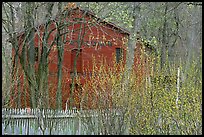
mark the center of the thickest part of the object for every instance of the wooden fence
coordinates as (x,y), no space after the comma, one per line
(48,122)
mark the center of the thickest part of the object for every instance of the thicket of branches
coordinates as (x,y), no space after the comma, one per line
(169,102)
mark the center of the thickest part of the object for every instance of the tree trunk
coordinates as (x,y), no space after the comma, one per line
(164,38)
(132,38)
(60,49)
(29,24)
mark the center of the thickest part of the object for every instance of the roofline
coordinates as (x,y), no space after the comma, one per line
(87,12)
(104,21)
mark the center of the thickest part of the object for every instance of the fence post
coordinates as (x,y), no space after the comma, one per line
(28,126)
(178,74)
(79,123)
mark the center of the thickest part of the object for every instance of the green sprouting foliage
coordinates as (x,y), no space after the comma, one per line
(155,104)
(158,112)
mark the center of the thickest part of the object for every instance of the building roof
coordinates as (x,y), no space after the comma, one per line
(103,21)
(120,29)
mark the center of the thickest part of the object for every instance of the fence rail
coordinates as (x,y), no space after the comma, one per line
(27,111)
(32,113)
(58,122)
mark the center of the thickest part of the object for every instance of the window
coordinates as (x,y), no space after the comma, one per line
(76,54)
(76,95)
(77,87)
(109,43)
(36,53)
(119,54)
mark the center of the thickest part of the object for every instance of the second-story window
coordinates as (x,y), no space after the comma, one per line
(119,54)
(76,56)
(36,53)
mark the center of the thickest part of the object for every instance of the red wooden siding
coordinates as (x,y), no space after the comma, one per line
(102,42)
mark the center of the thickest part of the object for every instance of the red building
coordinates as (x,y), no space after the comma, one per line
(101,43)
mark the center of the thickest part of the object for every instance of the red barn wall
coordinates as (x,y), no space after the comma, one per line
(142,62)
(97,39)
